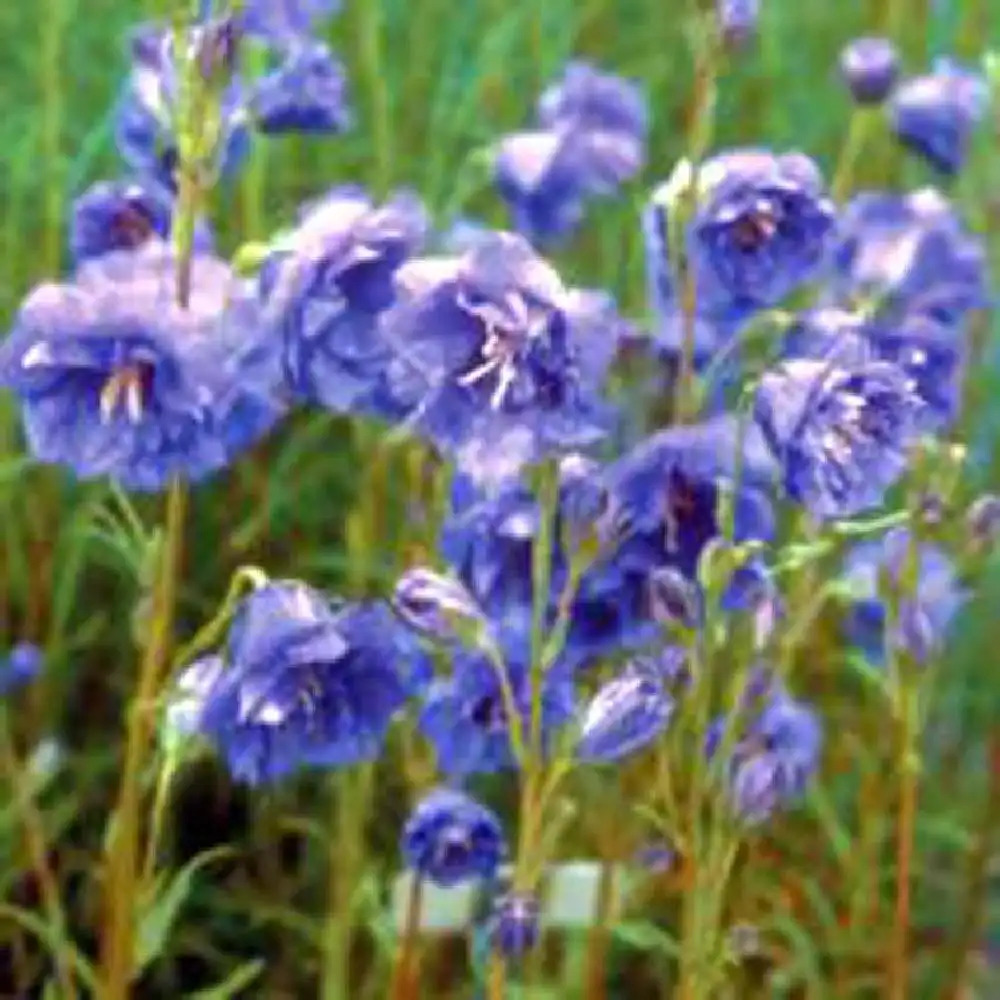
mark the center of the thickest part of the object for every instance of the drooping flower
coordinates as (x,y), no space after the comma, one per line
(514,924)
(760,230)
(590,139)
(20,667)
(502,362)
(307,683)
(123,215)
(869,67)
(116,379)
(905,254)
(935,115)
(146,125)
(436,605)
(841,434)
(450,838)
(466,717)
(924,616)
(306,93)
(776,753)
(626,715)
(325,286)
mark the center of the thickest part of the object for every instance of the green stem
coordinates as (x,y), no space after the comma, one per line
(36,844)
(864,121)
(52,66)
(377,79)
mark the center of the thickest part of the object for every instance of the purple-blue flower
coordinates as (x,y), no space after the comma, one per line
(869,67)
(123,215)
(842,434)
(776,753)
(514,924)
(502,362)
(738,20)
(20,667)
(146,126)
(325,286)
(935,115)
(308,683)
(465,716)
(306,93)
(436,605)
(760,230)
(924,615)
(116,379)
(626,715)
(285,23)
(451,838)
(590,99)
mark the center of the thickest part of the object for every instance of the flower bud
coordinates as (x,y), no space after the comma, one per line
(869,67)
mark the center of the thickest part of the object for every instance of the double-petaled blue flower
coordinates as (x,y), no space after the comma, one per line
(869,67)
(924,613)
(502,363)
(146,125)
(841,433)
(305,93)
(123,215)
(308,683)
(936,115)
(325,287)
(117,379)
(590,139)
(775,753)
(451,838)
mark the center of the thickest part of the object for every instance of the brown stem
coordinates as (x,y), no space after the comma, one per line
(406,975)
(597,938)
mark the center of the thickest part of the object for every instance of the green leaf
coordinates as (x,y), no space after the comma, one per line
(36,926)
(646,936)
(237,980)
(156,922)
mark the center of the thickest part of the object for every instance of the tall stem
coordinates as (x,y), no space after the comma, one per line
(371,43)
(36,844)
(405,978)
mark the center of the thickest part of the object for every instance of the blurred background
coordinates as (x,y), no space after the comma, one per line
(431,82)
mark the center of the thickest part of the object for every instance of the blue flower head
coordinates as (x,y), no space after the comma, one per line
(514,924)
(935,115)
(738,20)
(123,215)
(841,434)
(588,98)
(924,616)
(145,125)
(451,838)
(306,93)
(774,758)
(116,379)
(308,684)
(869,67)
(502,362)
(436,605)
(626,715)
(760,231)
(465,716)
(285,23)
(325,287)
(20,667)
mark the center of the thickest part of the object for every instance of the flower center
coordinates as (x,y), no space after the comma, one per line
(131,227)
(129,385)
(488,712)
(754,229)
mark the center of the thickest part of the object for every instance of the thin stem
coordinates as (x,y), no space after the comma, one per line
(161,797)
(597,937)
(496,978)
(863,121)
(377,80)
(405,979)
(122,851)
(36,844)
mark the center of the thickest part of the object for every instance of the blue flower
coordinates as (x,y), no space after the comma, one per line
(306,93)
(466,718)
(116,379)
(924,616)
(935,115)
(145,125)
(325,287)
(841,434)
(285,23)
(590,99)
(190,691)
(308,684)
(123,215)
(869,67)
(626,715)
(760,231)
(436,605)
(502,362)
(546,176)
(514,924)
(450,838)
(908,254)
(738,20)
(774,758)
(20,667)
